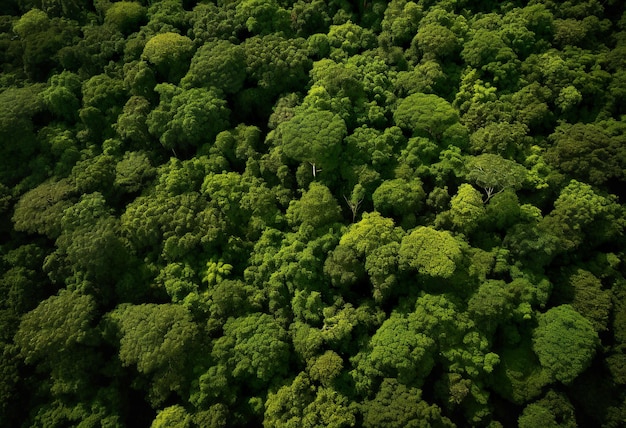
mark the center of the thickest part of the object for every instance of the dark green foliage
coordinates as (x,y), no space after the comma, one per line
(312,213)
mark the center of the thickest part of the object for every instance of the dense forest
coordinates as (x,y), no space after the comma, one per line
(312,213)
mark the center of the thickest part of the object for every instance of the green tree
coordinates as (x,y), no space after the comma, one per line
(399,197)
(59,338)
(584,292)
(131,123)
(158,340)
(263,17)
(173,416)
(40,210)
(397,405)
(18,106)
(313,136)
(220,64)
(253,349)
(170,53)
(505,139)
(133,172)
(317,208)
(126,16)
(582,215)
(62,97)
(187,118)
(565,342)
(495,174)
(42,40)
(553,410)
(587,152)
(431,252)
(57,325)
(426,115)
(466,209)
(278,65)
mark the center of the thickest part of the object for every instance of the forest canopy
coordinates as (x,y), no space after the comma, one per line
(312,213)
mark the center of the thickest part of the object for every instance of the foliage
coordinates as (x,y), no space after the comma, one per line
(564,342)
(312,213)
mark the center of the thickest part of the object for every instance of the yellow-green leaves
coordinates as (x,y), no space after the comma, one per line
(170,53)
(430,252)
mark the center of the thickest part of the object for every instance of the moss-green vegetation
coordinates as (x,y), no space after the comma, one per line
(312,213)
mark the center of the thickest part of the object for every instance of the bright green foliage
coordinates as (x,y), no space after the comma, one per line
(174,416)
(400,350)
(314,137)
(317,208)
(399,406)
(170,54)
(349,39)
(371,232)
(179,280)
(253,349)
(302,404)
(219,64)
(425,115)
(466,209)
(329,409)
(400,22)
(487,51)
(430,252)
(157,340)
(406,347)
(580,213)
(326,368)
(216,271)
(565,342)
(186,119)
(126,16)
